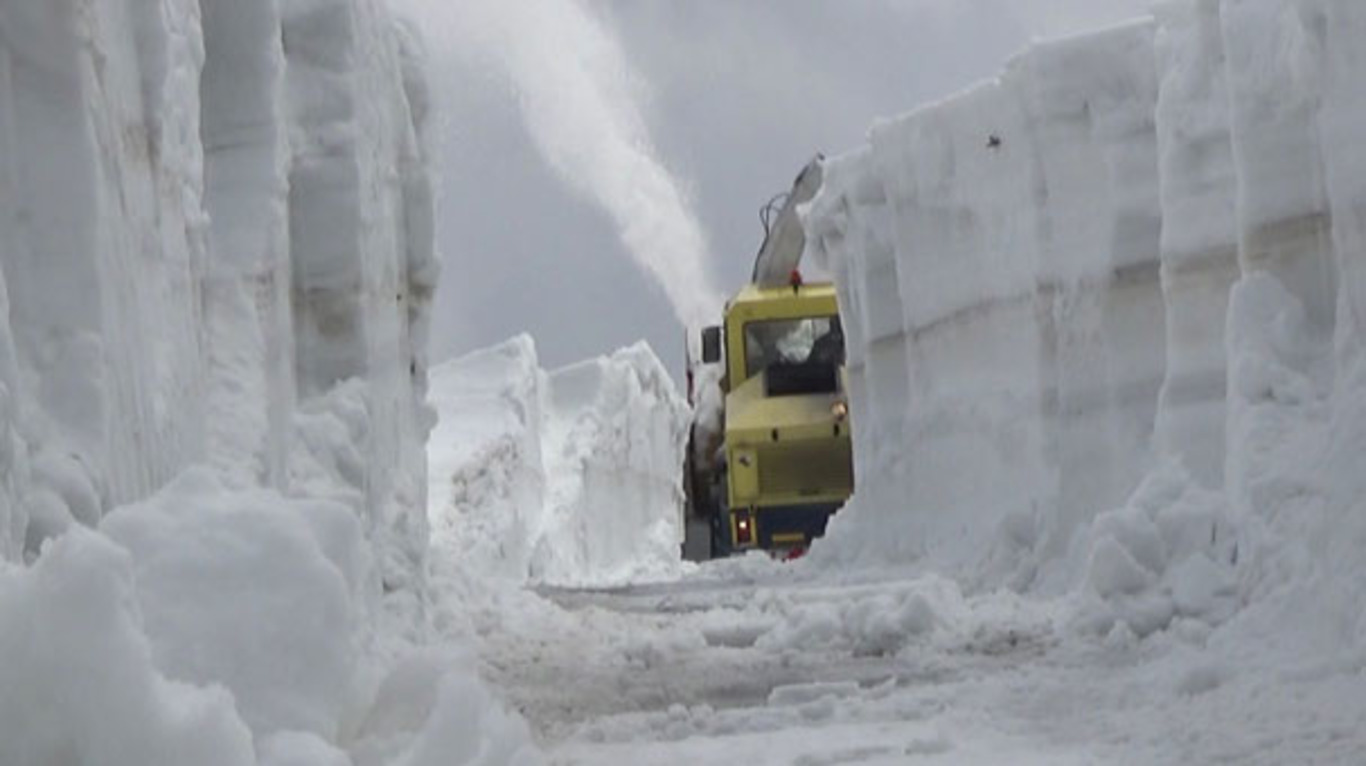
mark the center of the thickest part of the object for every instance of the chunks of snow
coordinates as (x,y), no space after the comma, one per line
(485,469)
(80,681)
(864,625)
(470,728)
(300,749)
(431,709)
(253,592)
(570,477)
(1168,553)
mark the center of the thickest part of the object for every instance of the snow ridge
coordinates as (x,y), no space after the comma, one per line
(568,477)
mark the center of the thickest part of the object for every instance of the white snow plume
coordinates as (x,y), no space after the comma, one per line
(581,99)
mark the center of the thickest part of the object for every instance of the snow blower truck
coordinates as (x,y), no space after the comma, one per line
(770,456)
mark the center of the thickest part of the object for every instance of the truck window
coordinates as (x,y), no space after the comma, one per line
(792,341)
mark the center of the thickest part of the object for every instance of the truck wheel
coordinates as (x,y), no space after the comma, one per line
(720,535)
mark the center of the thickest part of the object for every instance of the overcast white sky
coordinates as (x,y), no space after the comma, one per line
(737,96)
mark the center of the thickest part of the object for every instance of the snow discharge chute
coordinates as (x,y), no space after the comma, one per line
(579,98)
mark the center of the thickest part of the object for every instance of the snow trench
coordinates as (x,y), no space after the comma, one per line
(1104,316)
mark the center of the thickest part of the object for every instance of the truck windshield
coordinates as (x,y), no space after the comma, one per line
(806,340)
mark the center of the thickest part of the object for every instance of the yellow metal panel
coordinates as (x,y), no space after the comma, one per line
(764,303)
(744,476)
(805,469)
(751,416)
(785,450)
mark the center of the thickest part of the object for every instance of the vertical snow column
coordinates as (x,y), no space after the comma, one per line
(853,226)
(1282,312)
(1273,69)
(881,422)
(13,470)
(1091,100)
(1342,123)
(141,76)
(353,194)
(962,185)
(418,232)
(153,327)
(49,249)
(1199,233)
(106,249)
(838,227)
(246,285)
(396,195)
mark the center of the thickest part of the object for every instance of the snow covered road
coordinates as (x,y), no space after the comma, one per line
(757,664)
(821,662)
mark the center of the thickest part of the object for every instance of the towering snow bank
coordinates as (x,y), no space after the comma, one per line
(1033,362)
(1007,297)
(565,477)
(216,249)
(168,170)
(103,236)
(360,248)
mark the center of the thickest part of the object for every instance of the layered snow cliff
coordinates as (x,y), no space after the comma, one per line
(217,259)
(1104,316)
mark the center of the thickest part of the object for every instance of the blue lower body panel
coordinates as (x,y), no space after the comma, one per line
(806,520)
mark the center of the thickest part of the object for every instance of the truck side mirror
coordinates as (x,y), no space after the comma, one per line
(711,345)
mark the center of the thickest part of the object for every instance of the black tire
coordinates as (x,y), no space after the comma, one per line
(720,536)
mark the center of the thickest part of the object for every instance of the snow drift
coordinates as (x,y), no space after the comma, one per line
(91,693)
(568,477)
(1104,316)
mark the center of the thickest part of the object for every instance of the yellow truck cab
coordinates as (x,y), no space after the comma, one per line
(788,462)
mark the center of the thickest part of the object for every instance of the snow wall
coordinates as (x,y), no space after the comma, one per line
(1105,317)
(216,262)
(567,477)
